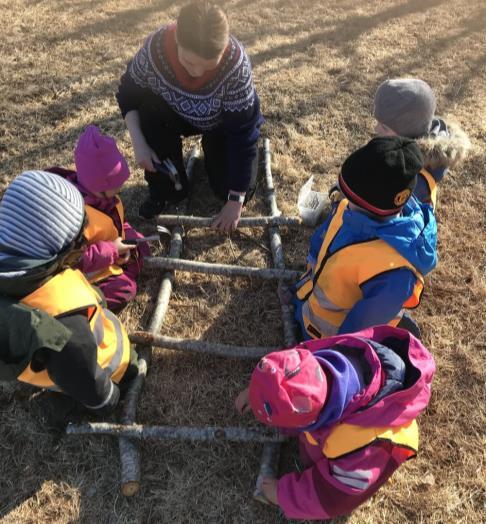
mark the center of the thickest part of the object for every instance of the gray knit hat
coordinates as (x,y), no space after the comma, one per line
(40,214)
(406,105)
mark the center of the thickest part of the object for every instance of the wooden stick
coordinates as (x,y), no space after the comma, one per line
(195,221)
(199,346)
(207,433)
(271,451)
(129,449)
(193,266)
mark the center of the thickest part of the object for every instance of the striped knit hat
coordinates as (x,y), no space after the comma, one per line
(40,214)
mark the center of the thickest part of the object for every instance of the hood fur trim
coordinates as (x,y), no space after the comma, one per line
(445,151)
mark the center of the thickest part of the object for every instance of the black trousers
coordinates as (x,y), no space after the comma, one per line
(163,130)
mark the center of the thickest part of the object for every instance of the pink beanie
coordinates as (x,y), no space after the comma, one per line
(99,164)
(288,389)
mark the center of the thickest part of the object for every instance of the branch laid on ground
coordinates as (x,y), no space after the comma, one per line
(193,221)
(209,433)
(199,346)
(271,451)
(129,449)
(193,266)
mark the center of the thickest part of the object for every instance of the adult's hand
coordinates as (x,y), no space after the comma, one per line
(145,156)
(228,217)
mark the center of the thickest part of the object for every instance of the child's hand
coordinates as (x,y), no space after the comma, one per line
(242,402)
(145,156)
(123,259)
(269,488)
(123,251)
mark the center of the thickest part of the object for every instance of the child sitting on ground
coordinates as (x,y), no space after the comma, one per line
(84,351)
(352,400)
(406,107)
(108,262)
(368,259)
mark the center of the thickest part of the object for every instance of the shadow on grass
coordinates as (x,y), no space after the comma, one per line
(117,22)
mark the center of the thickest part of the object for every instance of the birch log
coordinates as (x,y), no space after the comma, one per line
(199,346)
(129,449)
(271,451)
(194,434)
(194,221)
(193,266)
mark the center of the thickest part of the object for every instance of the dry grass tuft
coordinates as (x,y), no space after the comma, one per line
(316,67)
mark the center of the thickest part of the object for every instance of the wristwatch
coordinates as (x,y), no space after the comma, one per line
(236,198)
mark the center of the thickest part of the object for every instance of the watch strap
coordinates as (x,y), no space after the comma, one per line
(236,198)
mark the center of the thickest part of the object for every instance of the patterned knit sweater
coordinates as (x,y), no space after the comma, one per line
(223,99)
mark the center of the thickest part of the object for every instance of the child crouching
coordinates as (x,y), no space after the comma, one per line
(368,260)
(101,171)
(85,353)
(406,107)
(352,400)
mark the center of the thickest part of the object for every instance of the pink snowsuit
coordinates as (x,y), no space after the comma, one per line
(332,487)
(118,289)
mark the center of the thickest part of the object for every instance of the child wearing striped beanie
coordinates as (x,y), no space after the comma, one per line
(86,354)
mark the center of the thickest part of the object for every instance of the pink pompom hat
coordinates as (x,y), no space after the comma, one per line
(288,389)
(99,164)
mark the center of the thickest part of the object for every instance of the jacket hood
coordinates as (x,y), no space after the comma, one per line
(400,406)
(20,276)
(447,149)
(413,233)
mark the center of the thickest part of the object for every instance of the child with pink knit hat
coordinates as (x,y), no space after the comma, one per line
(101,171)
(352,400)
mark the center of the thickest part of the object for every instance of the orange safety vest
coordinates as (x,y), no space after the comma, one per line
(101,227)
(67,292)
(333,285)
(346,438)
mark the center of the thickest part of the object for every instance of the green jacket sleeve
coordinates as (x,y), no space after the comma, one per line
(24,330)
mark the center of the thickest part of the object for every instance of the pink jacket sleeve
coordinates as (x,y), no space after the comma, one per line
(130,233)
(98,256)
(331,488)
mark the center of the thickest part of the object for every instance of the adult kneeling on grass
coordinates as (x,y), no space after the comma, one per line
(193,78)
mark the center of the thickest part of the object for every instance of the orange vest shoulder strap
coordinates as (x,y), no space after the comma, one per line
(432,186)
(67,291)
(346,438)
(120,211)
(334,226)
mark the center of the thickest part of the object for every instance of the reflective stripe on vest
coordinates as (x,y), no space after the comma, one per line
(101,227)
(66,293)
(346,438)
(432,184)
(337,278)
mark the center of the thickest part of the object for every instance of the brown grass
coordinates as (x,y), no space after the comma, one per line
(316,67)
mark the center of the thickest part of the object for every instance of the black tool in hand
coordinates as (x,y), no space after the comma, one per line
(166,167)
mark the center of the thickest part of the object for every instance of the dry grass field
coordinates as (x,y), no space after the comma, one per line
(316,66)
